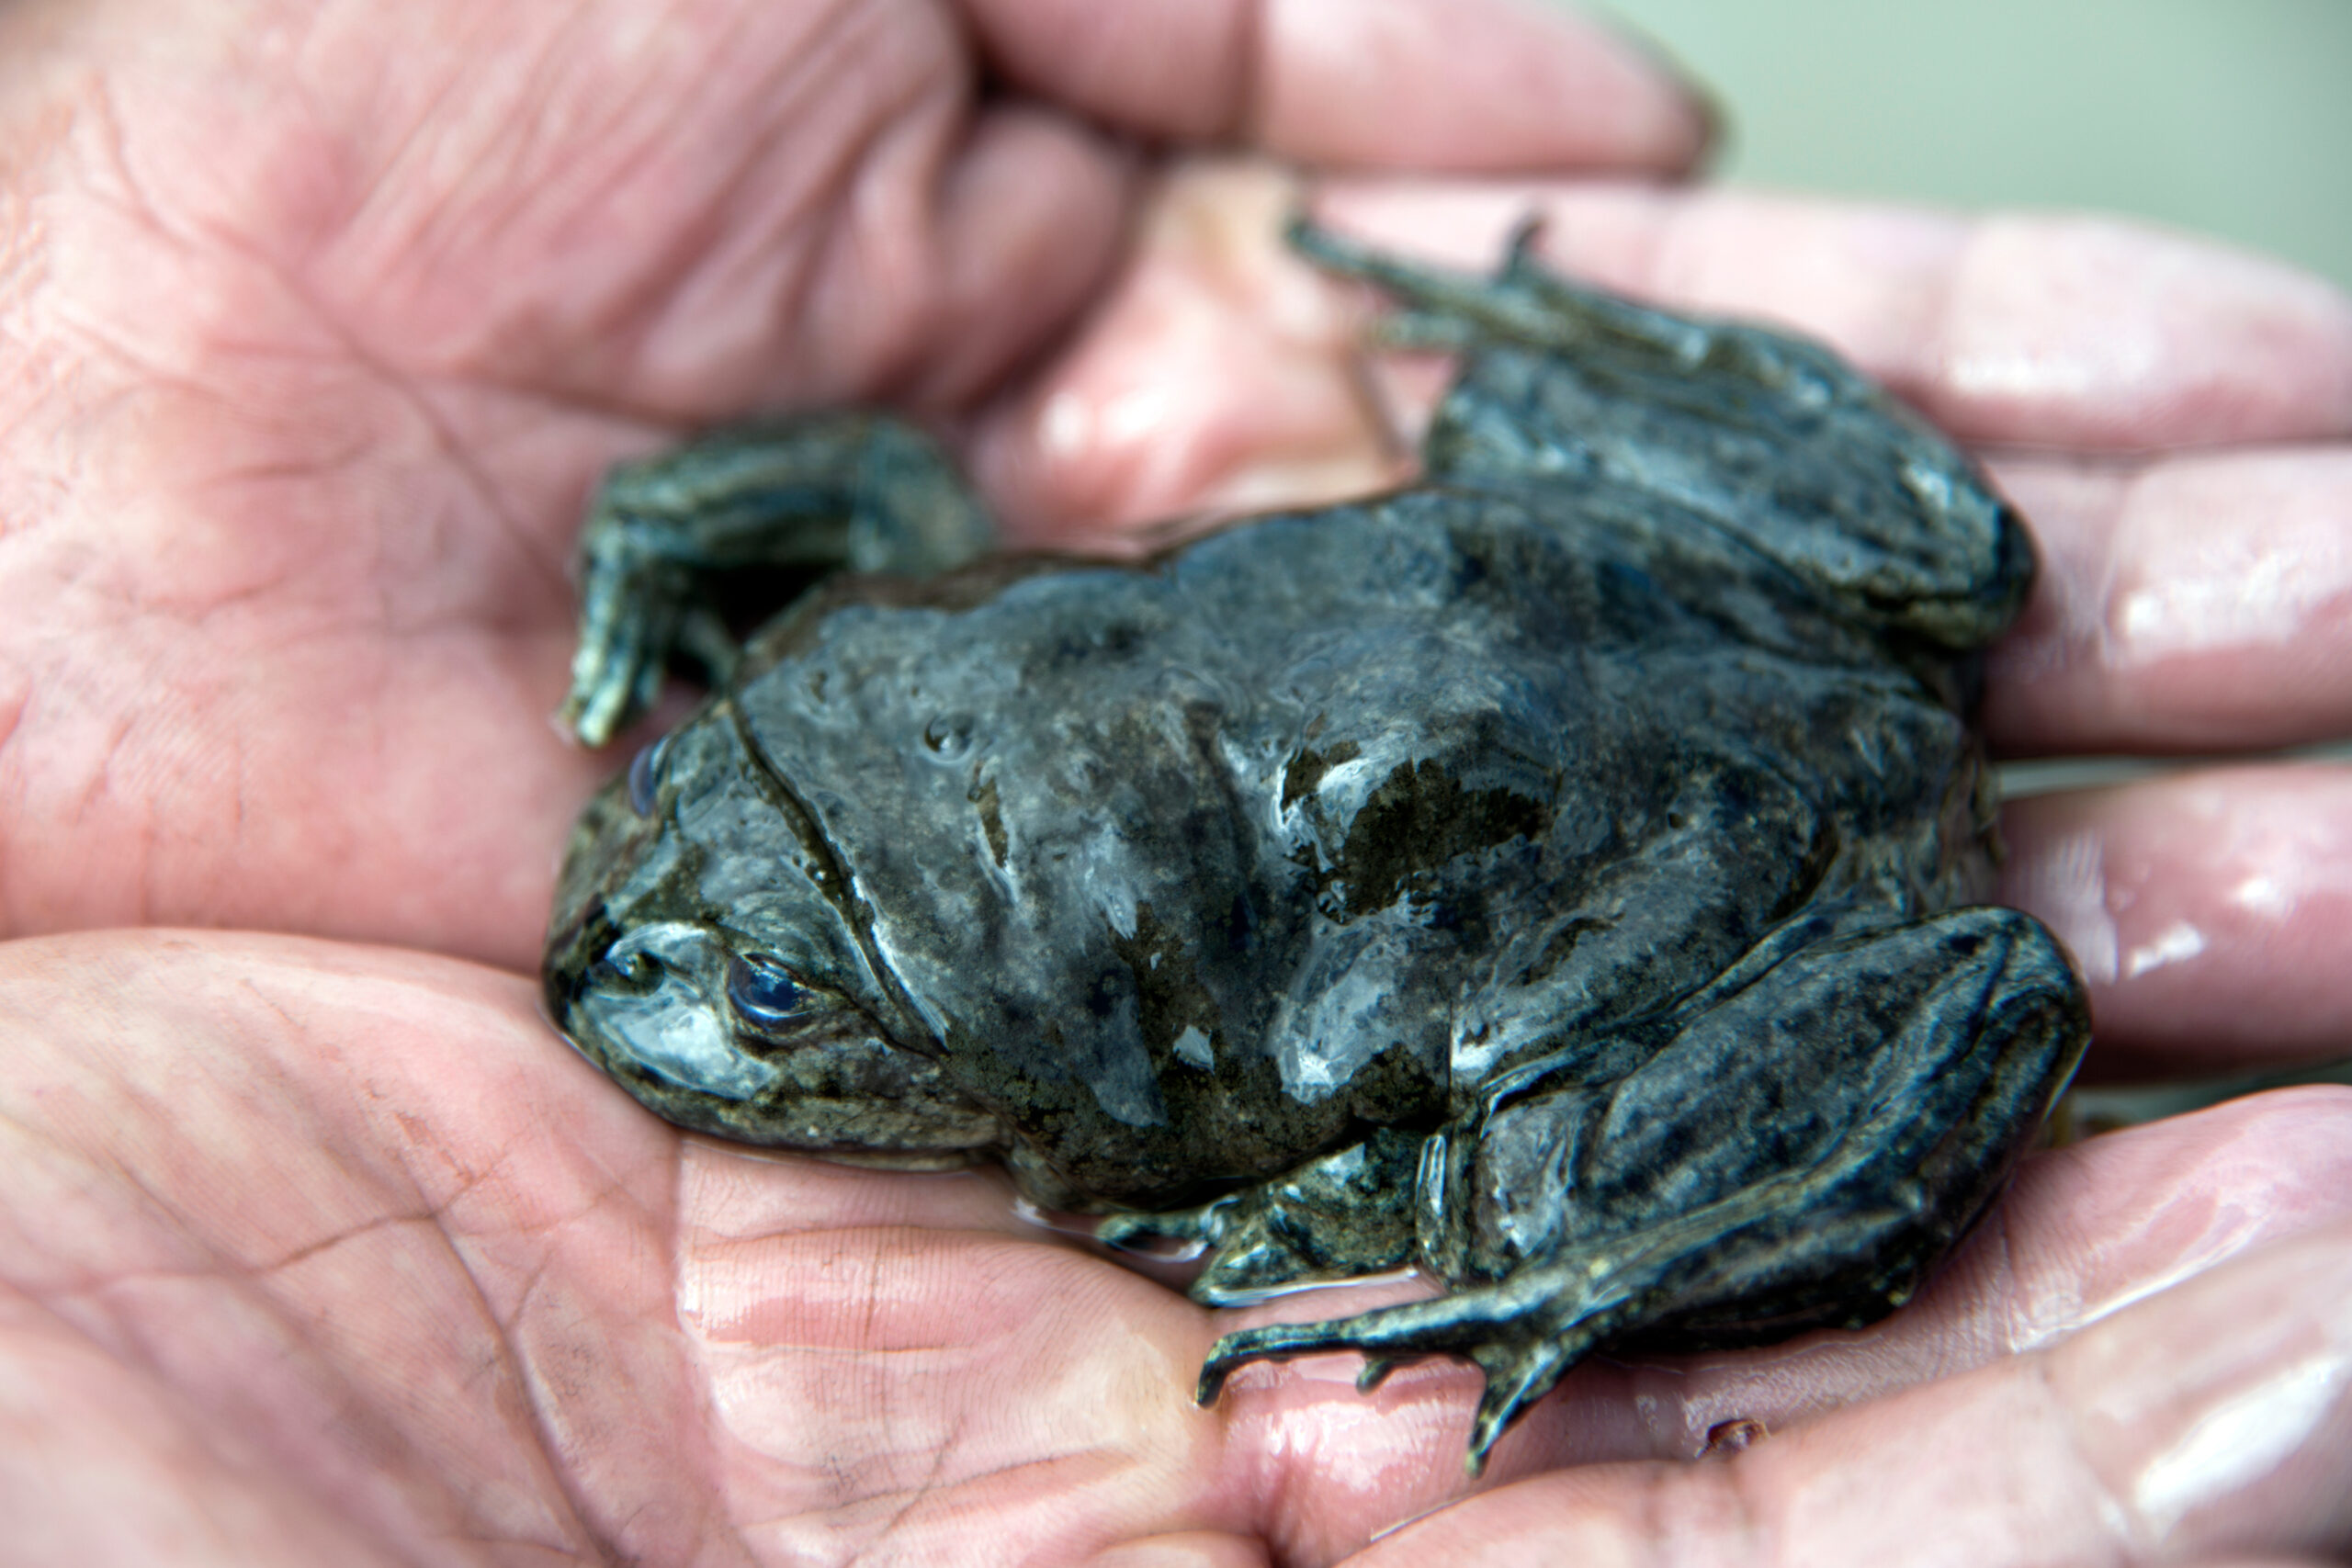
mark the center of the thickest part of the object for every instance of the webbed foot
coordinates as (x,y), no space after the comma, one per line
(1523,1335)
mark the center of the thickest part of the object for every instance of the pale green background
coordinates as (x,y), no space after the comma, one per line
(2228,116)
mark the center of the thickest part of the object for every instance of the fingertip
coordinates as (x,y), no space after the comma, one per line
(2087,331)
(1462,85)
(1485,86)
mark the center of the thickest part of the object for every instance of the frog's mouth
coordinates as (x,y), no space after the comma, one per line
(656,1002)
(666,1012)
(714,1029)
(724,1012)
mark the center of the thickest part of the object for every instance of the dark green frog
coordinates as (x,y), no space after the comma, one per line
(1559,875)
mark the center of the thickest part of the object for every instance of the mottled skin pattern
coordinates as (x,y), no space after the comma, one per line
(1557,874)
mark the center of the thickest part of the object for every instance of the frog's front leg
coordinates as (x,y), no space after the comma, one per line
(1345,1215)
(858,491)
(1796,1156)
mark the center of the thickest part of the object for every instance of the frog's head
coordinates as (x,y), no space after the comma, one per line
(699,953)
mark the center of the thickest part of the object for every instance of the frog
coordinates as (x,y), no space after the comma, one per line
(1563,876)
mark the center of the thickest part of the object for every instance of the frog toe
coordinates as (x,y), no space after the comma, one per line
(1248,1269)
(1181,1235)
(1518,1373)
(1450,1326)
(614,677)
(1523,1354)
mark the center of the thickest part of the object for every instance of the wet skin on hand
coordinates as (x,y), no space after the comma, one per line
(1561,874)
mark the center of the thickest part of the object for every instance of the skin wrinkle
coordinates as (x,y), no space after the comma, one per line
(495,164)
(406,392)
(531,1384)
(434,239)
(382,373)
(1092,1465)
(539,92)
(821,188)
(408,144)
(539,556)
(113,148)
(2112,1512)
(790,80)
(324,1244)
(925,1487)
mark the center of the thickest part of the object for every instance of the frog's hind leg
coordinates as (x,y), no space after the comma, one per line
(1797,1155)
(1685,434)
(858,491)
(1525,303)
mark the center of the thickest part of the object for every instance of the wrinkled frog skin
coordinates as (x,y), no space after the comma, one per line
(1560,876)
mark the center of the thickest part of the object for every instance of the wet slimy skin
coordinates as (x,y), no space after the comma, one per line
(1561,874)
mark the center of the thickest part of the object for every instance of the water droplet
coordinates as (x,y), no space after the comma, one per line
(949,736)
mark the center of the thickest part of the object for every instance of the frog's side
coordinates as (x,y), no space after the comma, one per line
(1555,875)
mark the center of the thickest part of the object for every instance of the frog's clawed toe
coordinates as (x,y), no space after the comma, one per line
(1178,1234)
(1521,1360)
(606,693)
(626,629)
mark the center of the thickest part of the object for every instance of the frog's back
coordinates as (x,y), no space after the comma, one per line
(1276,806)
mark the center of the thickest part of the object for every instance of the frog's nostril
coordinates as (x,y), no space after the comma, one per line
(634,970)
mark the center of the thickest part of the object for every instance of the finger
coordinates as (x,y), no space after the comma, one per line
(2194,602)
(2212,912)
(2082,1233)
(1221,373)
(1457,84)
(2213,1418)
(1030,218)
(2056,331)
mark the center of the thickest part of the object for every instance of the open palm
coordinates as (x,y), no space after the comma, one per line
(323,318)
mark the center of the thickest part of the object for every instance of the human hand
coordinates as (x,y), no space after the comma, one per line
(325,1253)
(794,1355)
(325,318)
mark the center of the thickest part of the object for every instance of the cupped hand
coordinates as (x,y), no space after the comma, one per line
(325,320)
(316,1253)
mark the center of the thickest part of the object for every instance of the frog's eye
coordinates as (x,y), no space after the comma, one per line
(762,992)
(645,776)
